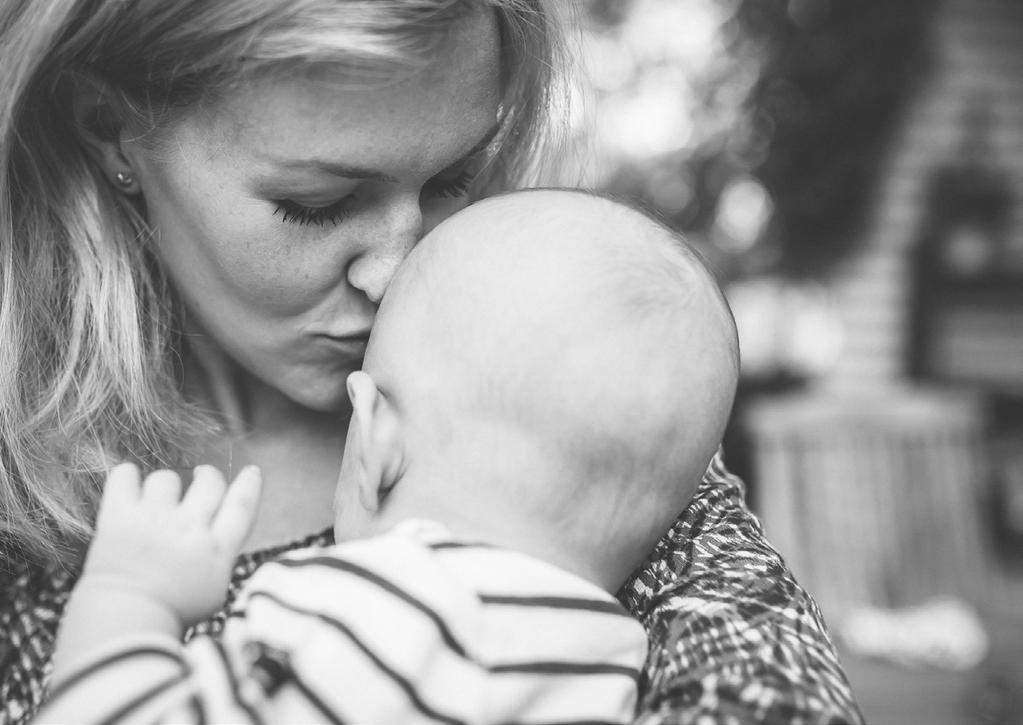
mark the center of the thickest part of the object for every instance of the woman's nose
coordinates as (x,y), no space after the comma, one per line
(388,242)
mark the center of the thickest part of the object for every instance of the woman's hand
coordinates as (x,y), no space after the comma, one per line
(175,550)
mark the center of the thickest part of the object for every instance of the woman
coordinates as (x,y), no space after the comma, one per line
(202,204)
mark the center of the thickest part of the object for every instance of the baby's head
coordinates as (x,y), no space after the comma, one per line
(549,370)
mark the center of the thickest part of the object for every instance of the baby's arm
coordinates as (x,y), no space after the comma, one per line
(323,635)
(159,561)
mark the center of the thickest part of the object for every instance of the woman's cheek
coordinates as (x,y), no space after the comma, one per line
(282,274)
(286,289)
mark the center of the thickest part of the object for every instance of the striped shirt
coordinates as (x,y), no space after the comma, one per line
(734,639)
(414,626)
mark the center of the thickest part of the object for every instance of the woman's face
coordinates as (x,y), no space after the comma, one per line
(282,213)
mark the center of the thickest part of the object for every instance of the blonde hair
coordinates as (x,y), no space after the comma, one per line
(89,370)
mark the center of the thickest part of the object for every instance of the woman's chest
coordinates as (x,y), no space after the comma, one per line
(300,470)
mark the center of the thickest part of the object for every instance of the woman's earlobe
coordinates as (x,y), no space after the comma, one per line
(99,119)
(126,183)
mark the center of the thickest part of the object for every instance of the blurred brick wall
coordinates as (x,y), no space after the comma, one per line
(978,48)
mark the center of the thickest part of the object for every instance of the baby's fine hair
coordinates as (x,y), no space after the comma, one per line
(595,333)
(649,285)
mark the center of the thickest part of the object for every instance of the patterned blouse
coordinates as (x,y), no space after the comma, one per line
(734,640)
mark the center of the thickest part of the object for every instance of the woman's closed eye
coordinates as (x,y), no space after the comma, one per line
(452,183)
(448,186)
(294,213)
(455,180)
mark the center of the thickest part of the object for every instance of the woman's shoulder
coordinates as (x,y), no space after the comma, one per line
(705,540)
(32,598)
(731,631)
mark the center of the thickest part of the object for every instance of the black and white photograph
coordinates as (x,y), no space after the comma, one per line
(713,417)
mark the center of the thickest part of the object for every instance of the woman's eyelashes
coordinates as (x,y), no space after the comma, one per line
(292,212)
(446,185)
(450,186)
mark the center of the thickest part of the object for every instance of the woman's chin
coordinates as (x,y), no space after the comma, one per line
(327,397)
(316,387)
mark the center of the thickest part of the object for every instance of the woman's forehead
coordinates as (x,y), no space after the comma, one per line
(451,102)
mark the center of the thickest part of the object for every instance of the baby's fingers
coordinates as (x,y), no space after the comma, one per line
(202,499)
(233,522)
(162,487)
(121,487)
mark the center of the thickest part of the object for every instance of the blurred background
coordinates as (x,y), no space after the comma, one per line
(853,171)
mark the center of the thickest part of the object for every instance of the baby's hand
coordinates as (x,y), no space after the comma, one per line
(177,550)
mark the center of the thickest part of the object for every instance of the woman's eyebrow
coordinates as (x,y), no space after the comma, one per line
(334,168)
(355,172)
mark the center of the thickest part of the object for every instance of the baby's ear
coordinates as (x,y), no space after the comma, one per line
(379,439)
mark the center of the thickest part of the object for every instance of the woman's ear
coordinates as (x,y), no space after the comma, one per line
(380,453)
(100,118)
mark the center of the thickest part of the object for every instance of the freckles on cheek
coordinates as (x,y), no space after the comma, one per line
(253,260)
(275,281)
(264,281)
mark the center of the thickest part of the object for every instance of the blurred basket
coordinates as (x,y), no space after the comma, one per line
(873,499)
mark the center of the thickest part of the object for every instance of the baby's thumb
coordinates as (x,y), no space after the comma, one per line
(233,521)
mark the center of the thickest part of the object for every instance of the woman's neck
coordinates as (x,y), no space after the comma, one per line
(298,450)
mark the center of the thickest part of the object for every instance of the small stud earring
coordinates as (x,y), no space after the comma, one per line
(124,179)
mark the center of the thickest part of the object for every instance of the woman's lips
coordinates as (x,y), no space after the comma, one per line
(352,345)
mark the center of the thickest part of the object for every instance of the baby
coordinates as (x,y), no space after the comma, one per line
(548,377)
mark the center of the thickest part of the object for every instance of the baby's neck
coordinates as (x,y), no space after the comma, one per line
(508,529)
